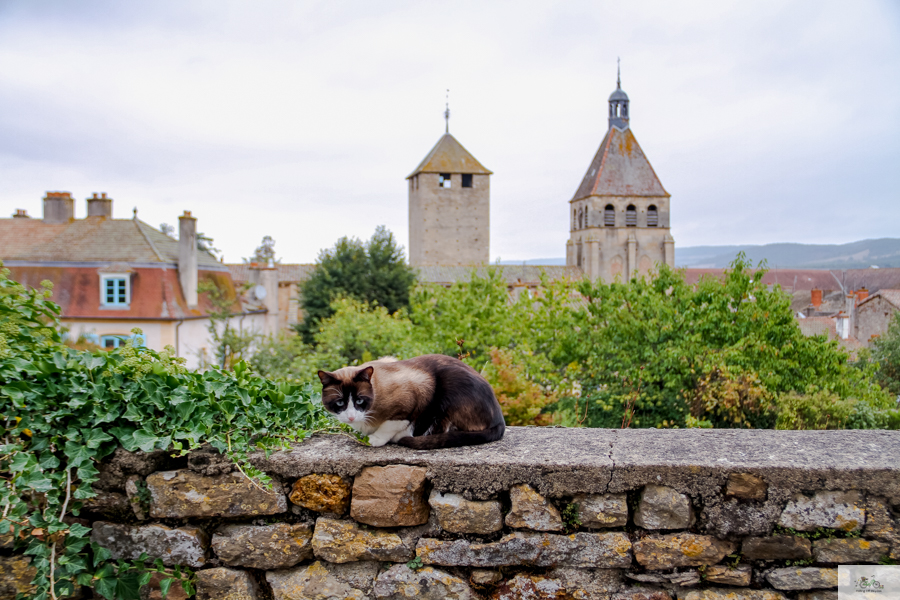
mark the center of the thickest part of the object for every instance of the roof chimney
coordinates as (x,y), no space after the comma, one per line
(59,207)
(187,257)
(816,298)
(21,213)
(861,294)
(99,206)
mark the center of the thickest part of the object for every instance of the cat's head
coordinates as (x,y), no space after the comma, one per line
(349,395)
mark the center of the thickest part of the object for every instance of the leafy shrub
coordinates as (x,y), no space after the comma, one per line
(521,399)
(64,410)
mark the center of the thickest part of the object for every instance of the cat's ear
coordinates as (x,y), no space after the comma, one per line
(364,374)
(327,378)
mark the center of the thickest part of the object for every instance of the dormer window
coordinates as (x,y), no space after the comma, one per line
(444,180)
(115,290)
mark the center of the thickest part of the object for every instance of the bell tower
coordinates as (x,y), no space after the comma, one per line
(619,216)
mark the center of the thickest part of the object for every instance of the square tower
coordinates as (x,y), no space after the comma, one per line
(449,208)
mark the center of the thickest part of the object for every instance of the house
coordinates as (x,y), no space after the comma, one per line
(875,313)
(112,275)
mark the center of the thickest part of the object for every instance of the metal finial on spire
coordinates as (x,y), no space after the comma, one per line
(447,114)
(618,73)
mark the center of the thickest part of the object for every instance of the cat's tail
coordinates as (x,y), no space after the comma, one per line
(454,439)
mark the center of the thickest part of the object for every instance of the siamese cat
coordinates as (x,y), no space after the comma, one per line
(431,401)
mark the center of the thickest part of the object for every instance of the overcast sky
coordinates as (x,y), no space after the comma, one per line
(767,121)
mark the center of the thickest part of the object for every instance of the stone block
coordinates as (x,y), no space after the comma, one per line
(777,547)
(732,517)
(564,583)
(184,493)
(882,525)
(265,547)
(322,493)
(458,515)
(153,591)
(400,583)
(345,541)
(687,578)
(818,595)
(638,593)
(16,574)
(392,496)
(484,577)
(746,486)
(661,507)
(530,510)
(849,551)
(739,575)
(805,578)
(732,594)
(324,581)
(183,546)
(226,584)
(602,510)
(597,550)
(681,550)
(834,510)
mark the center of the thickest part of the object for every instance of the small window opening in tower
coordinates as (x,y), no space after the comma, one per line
(609,216)
(574,218)
(444,180)
(467,180)
(580,219)
(630,216)
(652,216)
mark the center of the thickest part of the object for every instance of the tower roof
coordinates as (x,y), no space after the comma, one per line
(449,156)
(620,169)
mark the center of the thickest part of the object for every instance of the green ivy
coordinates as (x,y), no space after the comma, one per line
(64,410)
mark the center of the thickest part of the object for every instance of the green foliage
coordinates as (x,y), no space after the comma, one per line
(371,272)
(570,517)
(886,352)
(718,352)
(64,410)
(521,399)
(416,563)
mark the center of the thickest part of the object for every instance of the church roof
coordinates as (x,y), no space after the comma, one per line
(449,156)
(620,169)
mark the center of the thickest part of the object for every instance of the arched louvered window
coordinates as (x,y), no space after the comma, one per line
(630,216)
(609,216)
(652,216)
(580,219)
(574,219)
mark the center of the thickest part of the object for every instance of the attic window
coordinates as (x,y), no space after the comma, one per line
(467,180)
(652,216)
(609,216)
(444,181)
(631,216)
(115,290)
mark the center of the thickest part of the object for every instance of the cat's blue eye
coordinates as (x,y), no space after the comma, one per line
(360,401)
(339,403)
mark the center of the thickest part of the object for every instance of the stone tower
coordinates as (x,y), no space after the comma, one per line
(620,214)
(449,208)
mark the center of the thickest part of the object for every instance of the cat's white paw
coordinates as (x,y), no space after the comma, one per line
(378,440)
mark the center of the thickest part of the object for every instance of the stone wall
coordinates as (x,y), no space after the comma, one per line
(544,513)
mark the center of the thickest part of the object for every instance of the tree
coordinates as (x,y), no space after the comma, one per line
(264,253)
(371,272)
(886,352)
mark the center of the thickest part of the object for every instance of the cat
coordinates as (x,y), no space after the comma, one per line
(427,402)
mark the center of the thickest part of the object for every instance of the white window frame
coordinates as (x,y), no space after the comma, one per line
(104,277)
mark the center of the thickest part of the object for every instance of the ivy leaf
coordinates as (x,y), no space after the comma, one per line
(78,530)
(145,440)
(94,437)
(78,454)
(164,586)
(93,361)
